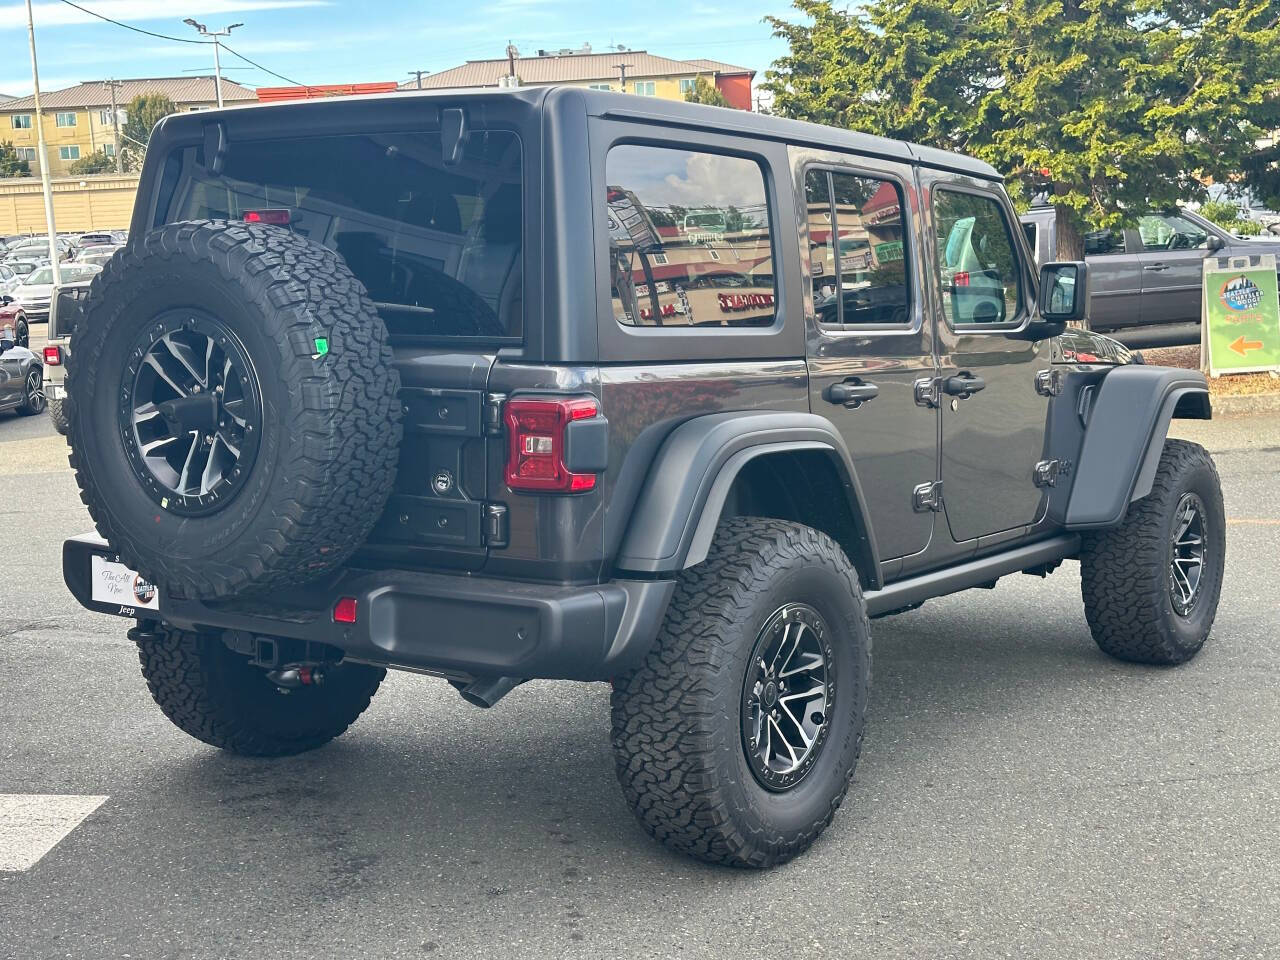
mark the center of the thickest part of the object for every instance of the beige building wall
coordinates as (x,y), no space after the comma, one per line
(85,203)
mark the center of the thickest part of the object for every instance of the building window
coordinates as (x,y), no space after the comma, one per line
(671,215)
(65,119)
(27,153)
(109,149)
(645,88)
(21,121)
(599,86)
(687,85)
(69,153)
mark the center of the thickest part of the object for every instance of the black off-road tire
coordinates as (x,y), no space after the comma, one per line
(1124,571)
(216,696)
(677,736)
(329,441)
(58,414)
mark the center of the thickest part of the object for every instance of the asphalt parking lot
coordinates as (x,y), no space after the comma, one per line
(1020,795)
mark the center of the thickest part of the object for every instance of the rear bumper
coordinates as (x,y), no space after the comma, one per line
(456,626)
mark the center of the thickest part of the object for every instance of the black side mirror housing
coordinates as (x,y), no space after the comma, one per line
(1064,292)
(5,300)
(1213,243)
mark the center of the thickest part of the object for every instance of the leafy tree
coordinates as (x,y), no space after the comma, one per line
(1126,103)
(704,91)
(143,113)
(10,165)
(96,162)
(1227,215)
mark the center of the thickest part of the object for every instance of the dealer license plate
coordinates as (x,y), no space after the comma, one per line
(116,584)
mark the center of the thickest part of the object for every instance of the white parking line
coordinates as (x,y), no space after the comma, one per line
(32,824)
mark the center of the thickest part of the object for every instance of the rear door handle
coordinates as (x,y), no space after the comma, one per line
(1157,267)
(851,393)
(963,385)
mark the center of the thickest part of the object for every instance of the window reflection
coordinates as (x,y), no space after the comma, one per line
(689,240)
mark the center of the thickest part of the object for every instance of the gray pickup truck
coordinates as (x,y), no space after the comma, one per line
(1146,279)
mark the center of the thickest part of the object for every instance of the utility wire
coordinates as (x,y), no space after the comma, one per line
(255,63)
(163,36)
(127,26)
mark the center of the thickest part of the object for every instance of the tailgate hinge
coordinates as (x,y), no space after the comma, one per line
(492,415)
(1049,382)
(927,497)
(1046,472)
(494,525)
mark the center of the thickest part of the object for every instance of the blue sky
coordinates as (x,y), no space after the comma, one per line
(344,41)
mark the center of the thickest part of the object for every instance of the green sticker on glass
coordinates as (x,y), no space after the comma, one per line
(322,346)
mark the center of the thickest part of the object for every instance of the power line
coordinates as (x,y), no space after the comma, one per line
(127,26)
(280,76)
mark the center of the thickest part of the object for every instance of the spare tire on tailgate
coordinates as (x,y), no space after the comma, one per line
(235,423)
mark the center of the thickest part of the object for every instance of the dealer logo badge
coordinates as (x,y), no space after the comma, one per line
(1240,293)
(144,591)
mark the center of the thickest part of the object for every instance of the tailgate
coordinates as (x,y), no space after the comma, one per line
(438,515)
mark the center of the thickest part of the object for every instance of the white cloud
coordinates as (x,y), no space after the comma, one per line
(14,15)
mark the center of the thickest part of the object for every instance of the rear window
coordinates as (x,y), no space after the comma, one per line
(437,247)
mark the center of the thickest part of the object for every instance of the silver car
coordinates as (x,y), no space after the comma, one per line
(1146,279)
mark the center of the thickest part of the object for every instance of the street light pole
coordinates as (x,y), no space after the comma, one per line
(45,186)
(217,48)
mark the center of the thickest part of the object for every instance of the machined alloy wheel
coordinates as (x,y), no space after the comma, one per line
(789,683)
(1187,545)
(35,392)
(190,412)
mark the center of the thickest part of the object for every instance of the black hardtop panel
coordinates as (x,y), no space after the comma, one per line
(621,106)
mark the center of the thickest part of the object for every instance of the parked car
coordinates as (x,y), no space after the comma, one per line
(9,279)
(13,317)
(98,254)
(24,265)
(36,289)
(21,377)
(39,247)
(65,311)
(460,401)
(1147,278)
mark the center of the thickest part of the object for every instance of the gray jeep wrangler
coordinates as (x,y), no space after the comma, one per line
(563,384)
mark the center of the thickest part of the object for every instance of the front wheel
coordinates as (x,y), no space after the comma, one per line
(1151,585)
(736,739)
(22,333)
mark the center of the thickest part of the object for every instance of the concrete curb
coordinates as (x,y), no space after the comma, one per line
(1245,405)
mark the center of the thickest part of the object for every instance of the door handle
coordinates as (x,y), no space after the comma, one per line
(851,393)
(963,385)
(1157,267)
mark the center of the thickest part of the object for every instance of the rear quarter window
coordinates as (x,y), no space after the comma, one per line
(439,248)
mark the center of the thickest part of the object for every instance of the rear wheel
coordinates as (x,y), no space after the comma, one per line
(1151,585)
(217,696)
(736,739)
(22,332)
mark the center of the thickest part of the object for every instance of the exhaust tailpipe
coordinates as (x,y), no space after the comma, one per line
(486,691)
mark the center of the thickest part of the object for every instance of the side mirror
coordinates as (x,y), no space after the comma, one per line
(1064,292)
(1213,243)
(5,300)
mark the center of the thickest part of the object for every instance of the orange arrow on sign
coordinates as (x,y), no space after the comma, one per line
(1242,346)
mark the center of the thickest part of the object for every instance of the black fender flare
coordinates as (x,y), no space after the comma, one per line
(678,509)
(1128,421)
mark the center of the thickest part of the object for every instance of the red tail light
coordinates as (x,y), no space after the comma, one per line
(344,611)
(53,355)
(536,443)
(961,278)
(279,218)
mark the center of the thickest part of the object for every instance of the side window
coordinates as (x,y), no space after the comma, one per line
(857,253)
(978,267)
(1171,232)
(1099,243)
(689,241)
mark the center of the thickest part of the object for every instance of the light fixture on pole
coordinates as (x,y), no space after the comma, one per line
(217,48)
(45,187)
